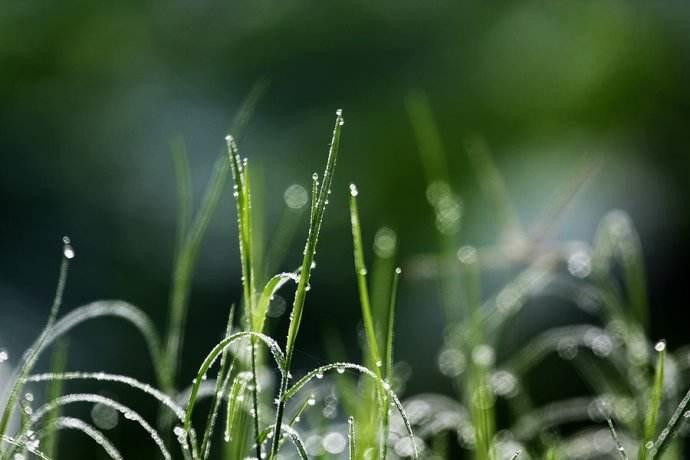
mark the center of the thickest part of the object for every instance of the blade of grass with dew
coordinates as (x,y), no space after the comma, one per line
(310,401)
(341,367)
(71,423)
(361,272)
(388,360)
(31,355)
(57,365)
(371,421)
(680,414)
(614,435)
(655,397)
(165,400)
(242,193)
(125,411)
(303,286)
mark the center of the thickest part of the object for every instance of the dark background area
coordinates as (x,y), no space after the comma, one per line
(91,94)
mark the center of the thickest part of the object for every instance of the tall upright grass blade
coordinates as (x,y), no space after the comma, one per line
(655,397)
(185,196)
(305,273)
(427,136)
(361,273)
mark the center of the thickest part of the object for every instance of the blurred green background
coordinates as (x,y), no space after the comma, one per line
(92,93)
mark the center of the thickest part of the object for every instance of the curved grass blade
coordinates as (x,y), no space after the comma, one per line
(126,412)
(272,286)
(161,397)
(340,367)
(71,423)
(213,356)
(31,355)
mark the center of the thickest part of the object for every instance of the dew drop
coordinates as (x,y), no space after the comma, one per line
(4,356)
(340,369)
(353,190)
(660,346)
(67,249)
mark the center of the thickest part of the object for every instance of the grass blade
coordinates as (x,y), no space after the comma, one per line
(361,272)
(319,210)
(655,397)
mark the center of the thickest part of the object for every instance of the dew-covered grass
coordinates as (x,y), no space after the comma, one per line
(637,406)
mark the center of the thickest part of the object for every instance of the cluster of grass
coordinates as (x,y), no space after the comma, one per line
(634,382)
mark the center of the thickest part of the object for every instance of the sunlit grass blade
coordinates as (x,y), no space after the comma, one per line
(305,273)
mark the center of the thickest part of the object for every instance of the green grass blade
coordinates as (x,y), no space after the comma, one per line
(391,324)
(305,273)
(272,286)
(361,272)
(655,397)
